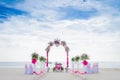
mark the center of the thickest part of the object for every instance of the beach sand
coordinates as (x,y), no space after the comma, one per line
(18,74)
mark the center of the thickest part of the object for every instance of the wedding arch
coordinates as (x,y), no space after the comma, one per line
(57,43)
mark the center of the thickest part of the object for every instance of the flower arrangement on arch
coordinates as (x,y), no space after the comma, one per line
(67,49)
(51,43)
(57,42)
(63,43)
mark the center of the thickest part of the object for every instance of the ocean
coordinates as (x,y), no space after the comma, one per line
(22,64)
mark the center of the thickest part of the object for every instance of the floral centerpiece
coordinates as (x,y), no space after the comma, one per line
(42,59)
(34,57)
(75,59)
(84,57)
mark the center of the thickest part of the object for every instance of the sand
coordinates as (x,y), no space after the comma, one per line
(18,74)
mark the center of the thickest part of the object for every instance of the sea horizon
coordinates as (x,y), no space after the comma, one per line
(102,64)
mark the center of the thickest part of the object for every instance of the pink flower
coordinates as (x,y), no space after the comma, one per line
(58,66)
(85,63)
(34,61)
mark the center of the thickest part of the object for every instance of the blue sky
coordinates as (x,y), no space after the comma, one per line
(88,26)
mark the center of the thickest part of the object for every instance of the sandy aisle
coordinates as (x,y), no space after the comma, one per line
(18,74)
(58,76)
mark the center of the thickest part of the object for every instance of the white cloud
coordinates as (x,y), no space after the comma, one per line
(22,35)
(34,37)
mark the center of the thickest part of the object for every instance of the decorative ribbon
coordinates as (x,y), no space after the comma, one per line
(78,72)
(41,72)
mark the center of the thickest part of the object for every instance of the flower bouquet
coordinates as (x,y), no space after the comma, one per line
(84,57)
(42,59)
(34,58)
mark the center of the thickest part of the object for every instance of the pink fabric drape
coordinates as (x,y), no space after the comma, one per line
(67,61)
(47,59)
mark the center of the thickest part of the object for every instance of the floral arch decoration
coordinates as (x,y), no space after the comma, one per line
(57,43)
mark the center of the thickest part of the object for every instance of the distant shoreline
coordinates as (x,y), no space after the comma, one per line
(22,64)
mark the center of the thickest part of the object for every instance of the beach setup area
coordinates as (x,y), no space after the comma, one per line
(59,39)
(78,68)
